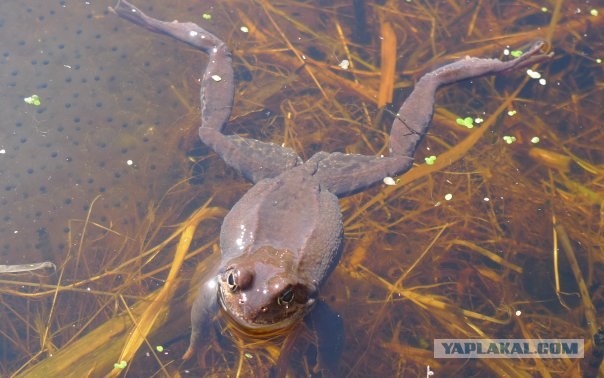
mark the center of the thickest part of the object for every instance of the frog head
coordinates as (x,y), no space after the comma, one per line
(263,291)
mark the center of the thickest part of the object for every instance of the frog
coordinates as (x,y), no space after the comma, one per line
(282,239)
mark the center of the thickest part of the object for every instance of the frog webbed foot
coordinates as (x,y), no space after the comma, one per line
(471,67)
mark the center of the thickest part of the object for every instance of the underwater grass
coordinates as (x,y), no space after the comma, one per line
(484,264)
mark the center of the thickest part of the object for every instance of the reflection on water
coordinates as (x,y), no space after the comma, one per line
(85,175)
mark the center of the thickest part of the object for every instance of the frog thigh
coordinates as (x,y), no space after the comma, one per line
(346,174)
(254,159)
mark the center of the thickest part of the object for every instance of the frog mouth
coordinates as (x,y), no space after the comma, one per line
(257,329)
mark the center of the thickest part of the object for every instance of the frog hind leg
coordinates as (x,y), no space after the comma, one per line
(413,118)
(345,174)
(255,160)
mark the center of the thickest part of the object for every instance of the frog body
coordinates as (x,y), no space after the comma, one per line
(282,239)
(295,260)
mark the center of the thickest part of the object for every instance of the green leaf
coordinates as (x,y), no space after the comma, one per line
(120,365)
(509,139)
(32,100)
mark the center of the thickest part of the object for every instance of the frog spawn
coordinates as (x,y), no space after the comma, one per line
(83,138)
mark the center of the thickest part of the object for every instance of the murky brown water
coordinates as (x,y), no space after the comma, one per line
(119,111)
(106,125)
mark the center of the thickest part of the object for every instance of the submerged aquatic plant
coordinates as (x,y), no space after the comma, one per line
(416,266)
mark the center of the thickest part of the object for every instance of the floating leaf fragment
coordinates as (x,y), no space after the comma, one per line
(344,64)
(389,181)
(120,365)
(509,139)
(32,100)
(466,122)
(430,160)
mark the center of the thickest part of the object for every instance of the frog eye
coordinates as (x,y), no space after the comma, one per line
(239,279)
(232,281)
(286,298)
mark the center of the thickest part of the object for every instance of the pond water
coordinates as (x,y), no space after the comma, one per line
(107,166)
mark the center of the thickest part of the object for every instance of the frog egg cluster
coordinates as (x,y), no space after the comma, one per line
(93,127)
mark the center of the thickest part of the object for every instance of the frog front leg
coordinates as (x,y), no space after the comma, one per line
(205,307)
(344,174)
(255,160)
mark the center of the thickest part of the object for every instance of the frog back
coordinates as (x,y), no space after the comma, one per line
(289,212)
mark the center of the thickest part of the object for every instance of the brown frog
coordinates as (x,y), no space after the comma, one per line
(282,239)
